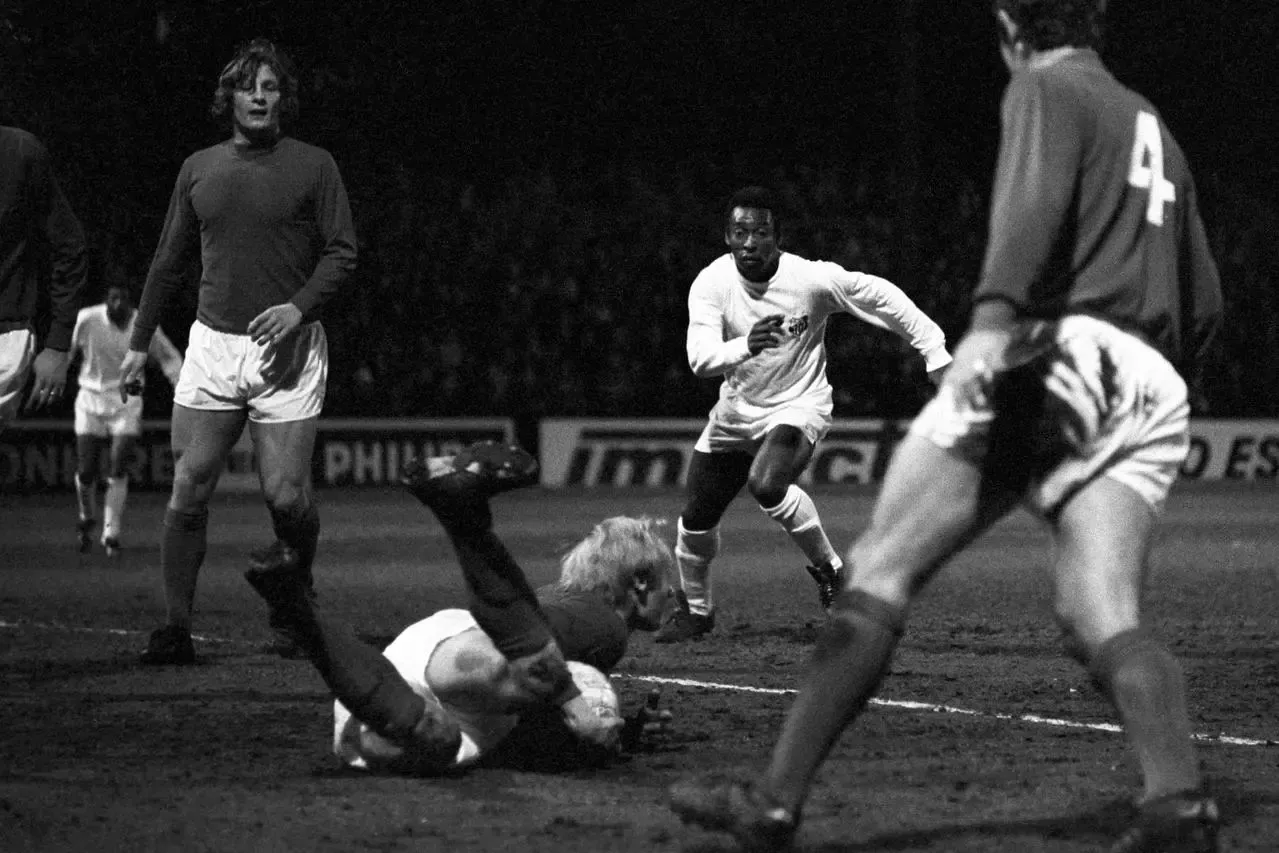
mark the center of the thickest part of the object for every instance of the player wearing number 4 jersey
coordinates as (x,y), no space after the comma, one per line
(1064,395)
(757,316)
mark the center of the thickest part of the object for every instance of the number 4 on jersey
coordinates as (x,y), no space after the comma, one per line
(1146,170)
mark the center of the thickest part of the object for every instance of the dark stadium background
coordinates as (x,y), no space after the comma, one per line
(535,184)
(534,181)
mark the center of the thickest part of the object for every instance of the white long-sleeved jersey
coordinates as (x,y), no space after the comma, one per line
(723,306)
(102,346)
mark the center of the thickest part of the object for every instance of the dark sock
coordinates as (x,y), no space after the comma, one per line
(502,601)
(300,530)
(182,547)
(1145,684)
(360,676)
(851,659)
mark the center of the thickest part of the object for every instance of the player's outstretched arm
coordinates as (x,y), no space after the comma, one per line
(881,303)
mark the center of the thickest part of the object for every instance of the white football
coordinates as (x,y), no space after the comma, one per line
(596,689)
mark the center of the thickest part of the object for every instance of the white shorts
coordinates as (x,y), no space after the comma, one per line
(101,413)
(410,653)
(225,372)
(17,351)
(729,430)
(1112,407)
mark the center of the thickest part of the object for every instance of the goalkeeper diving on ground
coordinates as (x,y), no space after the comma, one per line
(452,688)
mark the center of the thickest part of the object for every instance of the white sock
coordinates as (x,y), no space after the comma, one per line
(113,511)
(798,517)
(86,495)
(694,551)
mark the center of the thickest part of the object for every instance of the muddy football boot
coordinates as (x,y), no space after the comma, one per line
(111,545)
(169,646)
(1185,822)
(683,624)
(457,488)
(829,580)
(485,468)
(738,809)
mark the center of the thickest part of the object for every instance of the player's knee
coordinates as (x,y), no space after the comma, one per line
(768,487)
(193,482)
(286,499)
(853,605)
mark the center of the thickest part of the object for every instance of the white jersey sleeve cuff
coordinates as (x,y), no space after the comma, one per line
(935,358)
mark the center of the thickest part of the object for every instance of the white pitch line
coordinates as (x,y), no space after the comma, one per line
(119,632)
(945,709)
(744,688)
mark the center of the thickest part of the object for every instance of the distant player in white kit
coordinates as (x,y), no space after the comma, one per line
(757,317)
(102,419)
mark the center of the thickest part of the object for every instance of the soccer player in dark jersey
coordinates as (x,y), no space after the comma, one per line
(455,686)
(35,218)
(270,218)
(1065,396)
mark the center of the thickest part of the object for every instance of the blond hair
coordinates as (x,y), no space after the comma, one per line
(618,552)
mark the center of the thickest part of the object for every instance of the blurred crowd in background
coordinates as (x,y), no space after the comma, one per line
(535,186)
(563,292)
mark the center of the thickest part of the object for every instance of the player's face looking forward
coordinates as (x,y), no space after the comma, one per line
(256,108)
(118,306)
(752,238)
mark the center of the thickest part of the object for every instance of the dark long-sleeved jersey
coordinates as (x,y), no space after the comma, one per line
(584,626)
(272,224)
(37,226)
(1094,211)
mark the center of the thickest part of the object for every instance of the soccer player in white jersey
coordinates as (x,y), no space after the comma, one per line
(102,418)
(757,316)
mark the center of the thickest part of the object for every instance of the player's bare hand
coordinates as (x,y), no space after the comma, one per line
(648,725)
(272,325)
(591,727)
(131,372)
(50,370)
(765,334)
(978,358)
(936,375)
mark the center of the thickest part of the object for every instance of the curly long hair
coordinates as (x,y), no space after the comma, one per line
(616,553)
(1049,24)
(242,71)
